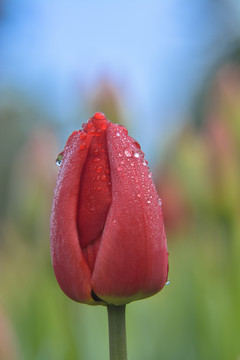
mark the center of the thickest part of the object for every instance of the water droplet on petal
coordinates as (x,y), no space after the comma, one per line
(95,160)
(59,159)
(122,162)
(99,169)
(99,116)
(159,202)
(138,195)
(149,201)
(89,125)
(168,282)
(123,129)
(107,171)
(82,146)
(82,135)
(132,164)
(150,175)
(136,155)
(99,188)
(117,134)
(137,144)
(96,151)
(119,168)
(104,177)
(103,126)
(58,162)
(127,153)
(144,163)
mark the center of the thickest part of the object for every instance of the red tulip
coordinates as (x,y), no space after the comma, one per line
(108,242)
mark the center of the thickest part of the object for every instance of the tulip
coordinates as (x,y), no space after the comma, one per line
(108,242)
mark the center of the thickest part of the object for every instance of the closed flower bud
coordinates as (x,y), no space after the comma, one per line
(108,242)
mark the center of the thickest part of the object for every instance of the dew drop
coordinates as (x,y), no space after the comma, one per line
(107,171)
(137,144)
(99,188)
(104,177)
(127,153)
(123,129)
(144,163)
(59,159)
(136,155)
(114,221)
(117,134)
(138,195)
(82,146)
(119,168)
(150,175)
(159,202)
(82,135)
(168,282)
(58,162)
(96,151)
(99,116)
(149,201)
(98,132)
(120,154)
(132,164)
(122,162)
(103,126)
(96,160)
(99,169)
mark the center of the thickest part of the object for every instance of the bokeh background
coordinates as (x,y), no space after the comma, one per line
(170,72)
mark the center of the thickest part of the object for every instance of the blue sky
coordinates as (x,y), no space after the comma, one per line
(160,50)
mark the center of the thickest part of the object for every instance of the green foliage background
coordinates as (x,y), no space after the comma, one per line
(197,316)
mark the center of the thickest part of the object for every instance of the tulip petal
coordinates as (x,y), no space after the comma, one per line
(70,267)
(132,260)
(94,196)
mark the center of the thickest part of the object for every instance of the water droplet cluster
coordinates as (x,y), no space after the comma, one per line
(94,127)
(95,185)
(97,156)
(134,180)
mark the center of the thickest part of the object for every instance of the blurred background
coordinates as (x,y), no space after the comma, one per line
(170,72)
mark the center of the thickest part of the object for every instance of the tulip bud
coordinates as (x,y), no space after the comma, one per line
(108,242)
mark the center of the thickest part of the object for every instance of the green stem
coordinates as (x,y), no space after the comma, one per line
(117,332)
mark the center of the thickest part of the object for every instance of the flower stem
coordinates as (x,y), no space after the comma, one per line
(117,332)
